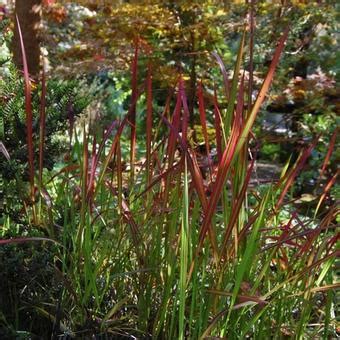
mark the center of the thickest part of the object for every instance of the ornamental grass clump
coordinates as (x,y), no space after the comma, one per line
(163,250)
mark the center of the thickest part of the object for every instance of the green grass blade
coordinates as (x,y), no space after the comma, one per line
(184,255)
(227,119)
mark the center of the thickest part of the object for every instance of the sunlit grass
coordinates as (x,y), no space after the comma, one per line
(159,251)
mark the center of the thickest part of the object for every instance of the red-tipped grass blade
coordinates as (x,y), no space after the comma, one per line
(197,181)
(222,171)
(224,73)
(172,139)
(236,142)
(251,53)
(329,152)
(237,207)
(175,122)
(326,190)
(112,150)
(263,91)
(186,114)
(120,129)
(132,116)
(28,109)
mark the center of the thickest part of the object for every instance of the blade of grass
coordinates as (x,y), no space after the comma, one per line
(203,120)
(237,142)
(218,128)
(149,125)
(186,114)
(132,116)
(171,145)
(328,311)
(241,297)
(84,189)
(224,73)
(238,170)
(249,254)
(112,150)
(29,117)
(107,134)
(135,234)
(175,122)
(251,53)
(329,152)
(198,184)
(325,191)
(92,172)
(223,168)
(165,113)
(238,113)
(262,93)
(227,119)
(119,177)
(42,126)
(171,271)
(185,241)
(236,208)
